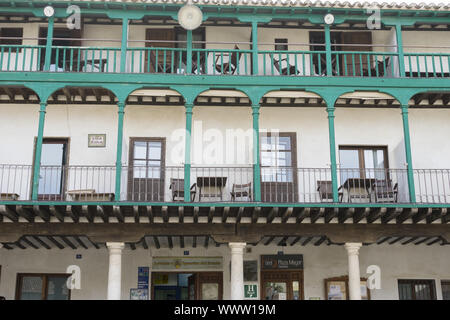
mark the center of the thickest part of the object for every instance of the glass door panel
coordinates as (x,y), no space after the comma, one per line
(31,288)
(275,290)
(57,288)
(51,174)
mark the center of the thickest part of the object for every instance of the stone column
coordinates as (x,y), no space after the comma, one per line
(115,269)
(354,279)
(237,270)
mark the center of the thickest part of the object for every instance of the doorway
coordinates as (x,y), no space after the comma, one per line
(53,170)
(187,285)
(348,64)
(146,177)
(281,285)
(63,37)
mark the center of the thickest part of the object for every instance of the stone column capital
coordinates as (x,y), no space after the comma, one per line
(237,246)
(353,247)
(116,246)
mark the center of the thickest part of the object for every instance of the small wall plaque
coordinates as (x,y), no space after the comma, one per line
(96,140)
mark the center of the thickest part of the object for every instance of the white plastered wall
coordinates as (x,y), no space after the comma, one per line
(395,261)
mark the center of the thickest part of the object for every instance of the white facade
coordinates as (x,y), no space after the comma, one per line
(320,262)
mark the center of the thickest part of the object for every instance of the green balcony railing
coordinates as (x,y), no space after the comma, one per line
(427,65)
(85,59)
(21,58)
(238,62)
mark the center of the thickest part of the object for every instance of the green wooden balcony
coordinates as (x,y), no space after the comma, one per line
(226,62)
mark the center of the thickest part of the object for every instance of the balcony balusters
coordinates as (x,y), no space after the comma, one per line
(216,184)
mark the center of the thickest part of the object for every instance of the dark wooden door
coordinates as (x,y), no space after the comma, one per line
(159,61)
(279,168)
(356,63)
(146,176)
(210,285)
(281,285)
(61,59)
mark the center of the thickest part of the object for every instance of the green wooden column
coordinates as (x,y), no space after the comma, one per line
(407,139)
(254,47)
(187,152)
(48,46)
(124,45)
(38,153)
(121,112)
(256,154)
(328,50)
(332,142)
(401,55)
(189,51)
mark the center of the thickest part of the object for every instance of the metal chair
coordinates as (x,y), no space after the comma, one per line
(177,187)
(241,191)
(384,191)
(325,189)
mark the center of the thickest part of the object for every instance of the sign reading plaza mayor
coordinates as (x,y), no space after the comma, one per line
(282,261)
(187,263)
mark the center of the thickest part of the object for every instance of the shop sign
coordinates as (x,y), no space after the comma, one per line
(285,261)
(187,263)
(250,291)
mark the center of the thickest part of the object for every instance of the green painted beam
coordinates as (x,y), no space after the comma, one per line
(189,51)
(121,113)
(256,154)
(254,47)
(48,46)
(333,162)
(38,152)
(401,56)
(166,80)
(124,45)
(187,152)
(407,141)
(328,51)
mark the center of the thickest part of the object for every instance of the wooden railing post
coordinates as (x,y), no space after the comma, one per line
(121,113)
(124,45)
(401,55)
(256,154)
(328,51)
(189,52)
(187,152)
(407,140)
(48,46)
(332,142)
(38,152)
(254,47)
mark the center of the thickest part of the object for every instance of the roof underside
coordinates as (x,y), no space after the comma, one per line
(403,5)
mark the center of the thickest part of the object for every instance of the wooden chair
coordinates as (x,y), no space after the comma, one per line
(241,191)
(384,191)
(288,70)
(382,67)
(230,66)
(177,187)
(157,65)
(325,189)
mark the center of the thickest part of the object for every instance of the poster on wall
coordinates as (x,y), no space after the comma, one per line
(143,273)
(138,294)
